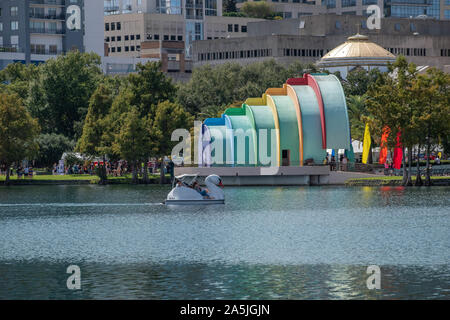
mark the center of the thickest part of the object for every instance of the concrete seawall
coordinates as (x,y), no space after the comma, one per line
(260,176)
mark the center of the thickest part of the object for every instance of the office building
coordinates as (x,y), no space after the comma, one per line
(422,41)
(435,9)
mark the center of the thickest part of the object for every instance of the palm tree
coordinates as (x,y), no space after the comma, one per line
(356,106)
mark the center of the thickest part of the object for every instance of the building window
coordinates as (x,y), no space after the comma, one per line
(119,38)
(156,37)
(14,11)
(113,26)
(52,49)
(180,38)
(113,38)
(119,26)
(166,37)
(138,37)
(132,48)
(236,28)
(348,3)
(243,28)
(132,37)
(127,48)
(113,49)
(230,28)
(127,38)
(14,25)
(106,26)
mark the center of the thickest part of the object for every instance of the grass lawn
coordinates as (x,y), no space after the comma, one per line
(75,177)
(390,178)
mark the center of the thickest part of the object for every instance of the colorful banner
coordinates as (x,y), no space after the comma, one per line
(366,145)
(398,154)
(383,145)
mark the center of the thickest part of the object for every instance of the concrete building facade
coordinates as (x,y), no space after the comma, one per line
(423,41)
(125,32)
(436,9)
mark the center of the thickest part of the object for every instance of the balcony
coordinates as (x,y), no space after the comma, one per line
(48,2)
(11,49)
(48,16)
(47,52)
(46,31)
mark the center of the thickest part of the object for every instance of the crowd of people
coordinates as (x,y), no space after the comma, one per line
(331,161)
(115,168)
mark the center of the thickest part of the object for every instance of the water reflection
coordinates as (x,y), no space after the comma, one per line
(264,243)
(216,281)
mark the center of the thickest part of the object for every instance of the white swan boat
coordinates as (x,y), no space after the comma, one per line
(186,191)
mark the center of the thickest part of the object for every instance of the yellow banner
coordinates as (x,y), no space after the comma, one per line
(366,145)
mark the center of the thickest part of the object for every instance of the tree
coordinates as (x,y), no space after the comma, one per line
(430,92)
(229,5)
(149,86)
(359,80)
(357,111)
(132,141)
(18,132)
(59,97)
(52,147)
(169,116)
(215,86)
(16,77)
(259,9)
(93,140)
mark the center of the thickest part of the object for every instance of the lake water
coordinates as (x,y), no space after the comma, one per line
(264,243)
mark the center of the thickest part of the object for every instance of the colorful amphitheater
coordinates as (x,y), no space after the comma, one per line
(287,126)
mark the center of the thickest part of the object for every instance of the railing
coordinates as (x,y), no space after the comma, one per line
(48,16)
(11,49)
(49,2)
(47,52)
(48,31)
(111,8)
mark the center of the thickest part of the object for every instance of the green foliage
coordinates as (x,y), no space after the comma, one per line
(52,147)
(92,139)
(18,131)
(229,6)
(357,111)
(168,117)
(258,9)
(16,77)
(150,86)
(71,159)
(358,81)
(234,14)
(225,84)
(416,105)
(59,96)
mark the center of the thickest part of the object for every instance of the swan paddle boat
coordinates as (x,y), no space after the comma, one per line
(187,191)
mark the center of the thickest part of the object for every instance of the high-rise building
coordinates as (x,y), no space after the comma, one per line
(32,31)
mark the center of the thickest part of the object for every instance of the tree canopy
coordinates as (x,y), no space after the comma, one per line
(18,131)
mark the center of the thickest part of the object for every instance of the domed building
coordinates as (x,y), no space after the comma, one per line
(357,52)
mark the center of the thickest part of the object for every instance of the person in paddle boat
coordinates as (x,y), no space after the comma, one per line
(187,190)
(203,192)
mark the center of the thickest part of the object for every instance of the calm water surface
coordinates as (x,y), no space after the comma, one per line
(264,243)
